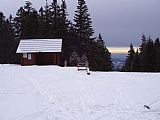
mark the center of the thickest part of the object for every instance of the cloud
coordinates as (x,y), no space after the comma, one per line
(119,21)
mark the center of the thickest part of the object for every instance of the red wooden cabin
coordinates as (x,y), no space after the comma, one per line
(40,51)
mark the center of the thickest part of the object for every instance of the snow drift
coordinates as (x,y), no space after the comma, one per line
(56,93)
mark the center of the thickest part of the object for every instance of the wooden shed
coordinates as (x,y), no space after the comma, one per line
(40,51)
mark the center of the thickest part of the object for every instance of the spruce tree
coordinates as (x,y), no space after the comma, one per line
(48,22)
(8,44)
(149,54)
(83,26)
(31,21)
(2,37)
(100,41)
(97,54)
(136,64)
(105,55)
(100,57)
(130,58)
(54,10)
(149,60)
(66,31)
(26,22)
(157,58)
(19,23)
(143,49)
(42,31)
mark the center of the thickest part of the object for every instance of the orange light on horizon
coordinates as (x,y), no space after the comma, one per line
(119,50)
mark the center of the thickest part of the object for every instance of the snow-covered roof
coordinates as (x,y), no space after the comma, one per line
(39,45)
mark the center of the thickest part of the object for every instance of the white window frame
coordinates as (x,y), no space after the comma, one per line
(24,55)
(29,56)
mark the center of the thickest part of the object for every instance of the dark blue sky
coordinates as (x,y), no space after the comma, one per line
(119,21)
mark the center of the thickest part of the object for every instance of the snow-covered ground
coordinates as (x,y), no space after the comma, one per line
(58,93)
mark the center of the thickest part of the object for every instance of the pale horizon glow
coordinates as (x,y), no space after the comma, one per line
(119,50)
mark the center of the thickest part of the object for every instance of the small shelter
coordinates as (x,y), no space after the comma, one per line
(40,51)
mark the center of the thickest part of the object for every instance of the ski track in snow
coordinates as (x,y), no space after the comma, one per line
(68,94)
(51,98)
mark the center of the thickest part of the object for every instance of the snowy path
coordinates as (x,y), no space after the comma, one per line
(54,98)
(54,93)
(18,98)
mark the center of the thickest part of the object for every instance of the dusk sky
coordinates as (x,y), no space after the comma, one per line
(119,21)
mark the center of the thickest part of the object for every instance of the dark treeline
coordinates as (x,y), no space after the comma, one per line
(8,42)
(146,59)
(51,21)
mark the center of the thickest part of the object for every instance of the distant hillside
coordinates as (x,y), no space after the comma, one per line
(118,61)
(119,56)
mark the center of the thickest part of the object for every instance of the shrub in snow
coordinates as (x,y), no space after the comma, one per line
(74,58)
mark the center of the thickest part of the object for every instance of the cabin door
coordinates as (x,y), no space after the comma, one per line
(44,59)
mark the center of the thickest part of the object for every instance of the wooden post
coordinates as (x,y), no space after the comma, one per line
(65,63)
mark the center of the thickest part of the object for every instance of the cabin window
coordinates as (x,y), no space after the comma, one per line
(29,56)
(24,55)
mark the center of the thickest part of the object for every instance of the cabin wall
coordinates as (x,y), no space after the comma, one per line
(42,59)
(26,61)
(58,58)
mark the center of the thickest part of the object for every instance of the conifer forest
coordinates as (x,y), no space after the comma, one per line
(51,22)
